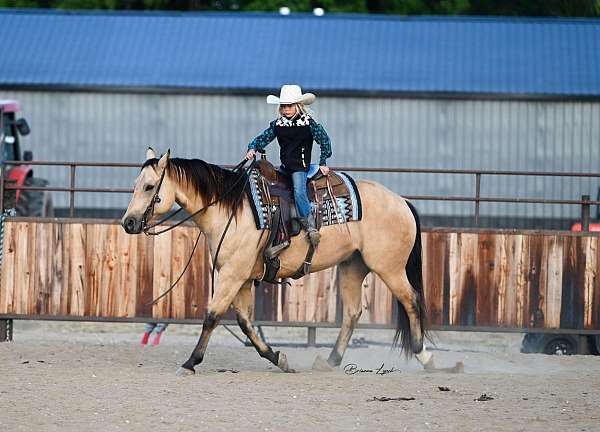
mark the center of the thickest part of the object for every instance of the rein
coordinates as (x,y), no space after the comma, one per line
(156,199)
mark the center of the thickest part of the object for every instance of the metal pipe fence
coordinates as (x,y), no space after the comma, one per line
(585,202)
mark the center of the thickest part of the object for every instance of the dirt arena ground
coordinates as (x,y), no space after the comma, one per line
(82,377)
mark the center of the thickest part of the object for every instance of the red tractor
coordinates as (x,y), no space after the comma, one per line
(26,202)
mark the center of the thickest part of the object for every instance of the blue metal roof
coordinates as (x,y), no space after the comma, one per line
(346,53)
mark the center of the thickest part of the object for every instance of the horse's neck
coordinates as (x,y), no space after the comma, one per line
(211,222)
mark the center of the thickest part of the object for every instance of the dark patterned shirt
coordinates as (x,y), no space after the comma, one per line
(317,130)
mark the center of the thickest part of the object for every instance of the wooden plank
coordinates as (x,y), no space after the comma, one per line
(509,309)
(33,270)
(199,281)
(106,258)
(322,281)
(145,247)
(553,294)
(43,242)
(434,271)
(595,320)
(332,295)
(58,276)
(265,307)
(538,267)
(382,310)
(522,284)
(311,290)
(454,278)
(573,283)
(77,269)
(94,252)
(127,272)
(368,298)
(180,252)
(486,309)
(22,272)
(591,274)
(7,289)
(162,274)
(466,293)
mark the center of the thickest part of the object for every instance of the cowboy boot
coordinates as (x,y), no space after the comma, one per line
(308,225)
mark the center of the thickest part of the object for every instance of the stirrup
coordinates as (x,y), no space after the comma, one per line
(273,251)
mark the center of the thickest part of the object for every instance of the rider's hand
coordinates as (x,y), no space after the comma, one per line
(324,169)
(251,153)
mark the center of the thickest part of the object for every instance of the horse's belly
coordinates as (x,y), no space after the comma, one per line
(338,242)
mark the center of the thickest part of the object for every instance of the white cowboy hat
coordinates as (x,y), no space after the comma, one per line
(289,94)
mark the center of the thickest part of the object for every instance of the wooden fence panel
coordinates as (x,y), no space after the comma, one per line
(471,278)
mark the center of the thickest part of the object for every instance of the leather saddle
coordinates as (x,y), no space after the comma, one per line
(276,190)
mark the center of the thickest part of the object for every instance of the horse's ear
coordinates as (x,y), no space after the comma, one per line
(150,153)
(162,163)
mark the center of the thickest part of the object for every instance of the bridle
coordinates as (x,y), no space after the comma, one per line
(149,212)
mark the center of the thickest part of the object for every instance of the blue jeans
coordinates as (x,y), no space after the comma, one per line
(157,327)
(300,195)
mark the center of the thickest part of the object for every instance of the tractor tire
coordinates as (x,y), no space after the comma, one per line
(34,203)
(563,344)
(552,344)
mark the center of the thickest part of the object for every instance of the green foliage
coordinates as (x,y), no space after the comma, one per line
(581,8)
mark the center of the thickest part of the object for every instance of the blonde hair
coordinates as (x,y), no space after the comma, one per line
(300,109)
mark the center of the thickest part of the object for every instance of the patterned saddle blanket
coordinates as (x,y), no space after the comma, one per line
(334,198)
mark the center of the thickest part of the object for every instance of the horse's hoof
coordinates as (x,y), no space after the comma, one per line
(321,365)
(282,364)
(185,372)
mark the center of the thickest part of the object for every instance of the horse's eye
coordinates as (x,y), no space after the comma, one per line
(148,188)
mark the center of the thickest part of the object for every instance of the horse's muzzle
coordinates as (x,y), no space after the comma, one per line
(132,225)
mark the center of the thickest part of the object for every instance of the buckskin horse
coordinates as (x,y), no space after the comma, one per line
(385,241)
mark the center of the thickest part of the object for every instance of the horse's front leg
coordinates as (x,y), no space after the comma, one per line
(229,285)
(244,305)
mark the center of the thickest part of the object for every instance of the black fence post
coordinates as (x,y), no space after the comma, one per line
(585,213)
(477,196)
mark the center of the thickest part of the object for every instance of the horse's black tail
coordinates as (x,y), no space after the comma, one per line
(414,272)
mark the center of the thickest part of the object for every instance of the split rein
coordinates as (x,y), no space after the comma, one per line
(149,212)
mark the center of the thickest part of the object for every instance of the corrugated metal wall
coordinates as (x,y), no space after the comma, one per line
(378,132)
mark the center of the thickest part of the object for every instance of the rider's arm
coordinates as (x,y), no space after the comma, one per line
(261,141)
(321,137)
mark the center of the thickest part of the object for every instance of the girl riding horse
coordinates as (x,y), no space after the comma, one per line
(295,131)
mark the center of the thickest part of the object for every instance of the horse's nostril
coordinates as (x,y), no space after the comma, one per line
(129,224)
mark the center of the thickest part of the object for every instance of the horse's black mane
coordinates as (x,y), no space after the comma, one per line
(210,181)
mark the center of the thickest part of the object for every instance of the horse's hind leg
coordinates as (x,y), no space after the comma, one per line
(398,283)
(244,304)
(352,272)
